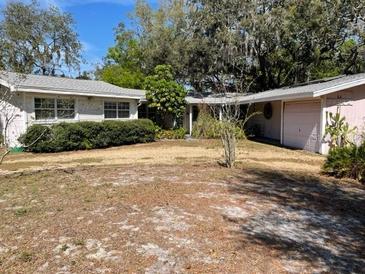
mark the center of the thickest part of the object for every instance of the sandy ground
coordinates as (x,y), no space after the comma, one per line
(167,213)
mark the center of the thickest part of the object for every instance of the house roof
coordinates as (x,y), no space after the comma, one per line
(310,90)
(67,86)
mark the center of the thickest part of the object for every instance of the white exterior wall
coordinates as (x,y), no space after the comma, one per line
(12,118)
(86,108)
(351,104)
(270,128)
(92,109)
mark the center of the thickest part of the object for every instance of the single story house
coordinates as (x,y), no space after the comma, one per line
(296,116)
(34,99)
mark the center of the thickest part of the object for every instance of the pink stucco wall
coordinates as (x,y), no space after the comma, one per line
(351,104)
(270,128)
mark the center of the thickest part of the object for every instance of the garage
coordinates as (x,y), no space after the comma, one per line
(301,125)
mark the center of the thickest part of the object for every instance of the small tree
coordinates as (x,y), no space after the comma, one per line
(233,121)
(165,94)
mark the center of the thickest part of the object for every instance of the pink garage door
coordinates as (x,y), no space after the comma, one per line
(302,125)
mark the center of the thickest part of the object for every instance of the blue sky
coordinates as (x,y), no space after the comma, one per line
(95,23)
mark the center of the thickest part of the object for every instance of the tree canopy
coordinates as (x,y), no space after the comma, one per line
(260,45)
(36,40)
(123,62)
(243,45)
(159,37)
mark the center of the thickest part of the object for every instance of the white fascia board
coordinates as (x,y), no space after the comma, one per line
(278,98)
(78,94)
(206,101)
(251,99)
(339,87)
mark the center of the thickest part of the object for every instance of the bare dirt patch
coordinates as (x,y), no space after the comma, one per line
(186,217)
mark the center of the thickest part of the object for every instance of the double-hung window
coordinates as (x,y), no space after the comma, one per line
(116,110)
(52,108)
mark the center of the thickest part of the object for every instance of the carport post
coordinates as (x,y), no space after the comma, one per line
(282,123)
(220,113)
(190,119)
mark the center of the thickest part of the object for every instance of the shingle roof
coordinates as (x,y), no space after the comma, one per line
(60,84)
(311,90)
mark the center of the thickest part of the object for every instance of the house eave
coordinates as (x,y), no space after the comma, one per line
(339,88)
(76,93)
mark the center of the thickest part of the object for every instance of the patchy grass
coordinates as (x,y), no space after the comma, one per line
(26,256)
(21,211)
(183,213)
(165,152)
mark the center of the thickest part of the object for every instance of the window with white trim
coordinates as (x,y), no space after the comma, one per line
(116,110)
(52,108)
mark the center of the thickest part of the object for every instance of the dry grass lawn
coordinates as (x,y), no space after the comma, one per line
(168,207)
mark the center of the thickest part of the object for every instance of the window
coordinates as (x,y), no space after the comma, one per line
(110,110)
(50,108)
(44,108)
(65,109)
(114,110)
(123,110)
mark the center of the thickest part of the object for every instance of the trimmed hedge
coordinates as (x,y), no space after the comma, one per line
(87,135)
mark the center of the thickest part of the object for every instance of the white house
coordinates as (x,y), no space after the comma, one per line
(294,116)
(297,115)
(33,99)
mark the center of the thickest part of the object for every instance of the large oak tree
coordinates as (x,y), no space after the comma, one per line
(36,40)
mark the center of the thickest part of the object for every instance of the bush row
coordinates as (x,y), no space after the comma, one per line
(348,161)
(87,135)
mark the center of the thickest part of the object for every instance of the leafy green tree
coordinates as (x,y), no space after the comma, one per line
(122,77)
(160,37)
(163,35)
(165,94)
(126,52)
(36,40)
(123,62)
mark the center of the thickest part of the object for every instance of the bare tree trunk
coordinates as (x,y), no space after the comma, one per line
(228,138)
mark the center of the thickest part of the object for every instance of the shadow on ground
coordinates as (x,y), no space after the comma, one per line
(313,223)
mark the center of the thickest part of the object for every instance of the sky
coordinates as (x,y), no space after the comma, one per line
(95,23)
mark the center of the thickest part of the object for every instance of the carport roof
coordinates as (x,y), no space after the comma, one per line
(310,90)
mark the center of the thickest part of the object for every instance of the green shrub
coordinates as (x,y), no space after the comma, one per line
(87,135)
(348,161)
(207,127)
(37,138)
(178,133)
